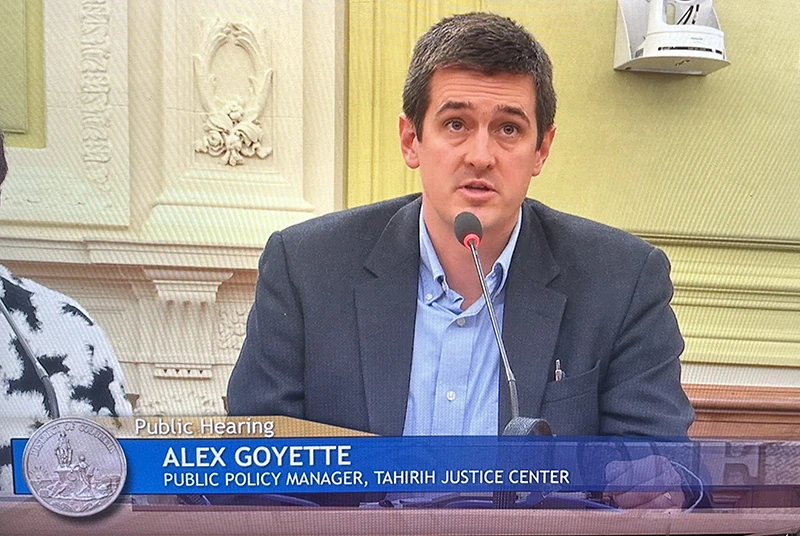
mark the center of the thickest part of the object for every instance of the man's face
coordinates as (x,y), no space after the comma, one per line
(478,149)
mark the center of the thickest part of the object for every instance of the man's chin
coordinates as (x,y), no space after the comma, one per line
(495,224)
(487,216)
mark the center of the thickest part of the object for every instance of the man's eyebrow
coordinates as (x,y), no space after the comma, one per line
(513,110)
(501,108)
(454,105)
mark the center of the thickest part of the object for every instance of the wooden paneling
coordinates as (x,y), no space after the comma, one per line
(740,412)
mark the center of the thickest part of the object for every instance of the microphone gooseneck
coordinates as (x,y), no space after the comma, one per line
(50,398)
(468,230)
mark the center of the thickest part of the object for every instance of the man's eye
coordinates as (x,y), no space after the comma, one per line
(510,130)
(455,125)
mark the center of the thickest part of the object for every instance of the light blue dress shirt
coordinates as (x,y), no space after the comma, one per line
(456,363)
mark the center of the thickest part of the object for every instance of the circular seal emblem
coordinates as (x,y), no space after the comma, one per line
(74,467)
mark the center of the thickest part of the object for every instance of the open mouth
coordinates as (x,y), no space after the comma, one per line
(478,186)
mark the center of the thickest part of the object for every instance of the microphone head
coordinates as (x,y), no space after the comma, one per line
(468,228)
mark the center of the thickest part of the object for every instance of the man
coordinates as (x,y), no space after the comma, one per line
(373,318)
(79,361)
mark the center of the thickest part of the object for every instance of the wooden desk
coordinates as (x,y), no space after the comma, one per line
(27,517)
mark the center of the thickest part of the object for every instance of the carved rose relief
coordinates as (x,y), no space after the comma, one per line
(233,133)
(232,129)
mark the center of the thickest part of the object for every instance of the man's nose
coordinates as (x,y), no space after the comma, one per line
(480,153)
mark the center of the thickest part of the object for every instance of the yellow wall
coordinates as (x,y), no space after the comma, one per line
(707,168)
(29,61)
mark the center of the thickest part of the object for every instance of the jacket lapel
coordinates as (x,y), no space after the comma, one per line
(531,317)
(386,306)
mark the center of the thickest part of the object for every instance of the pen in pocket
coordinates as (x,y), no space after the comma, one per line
(559,373)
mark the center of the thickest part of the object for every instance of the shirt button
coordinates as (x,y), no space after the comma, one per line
(429,296)
(451,395)
(460,323)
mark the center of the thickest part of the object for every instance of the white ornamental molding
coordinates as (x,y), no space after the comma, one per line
(95,46)
(187,286)
(232,129)
(180,403)
(232,327)
(81,178)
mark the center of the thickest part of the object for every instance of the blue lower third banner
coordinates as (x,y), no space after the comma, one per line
(399,464)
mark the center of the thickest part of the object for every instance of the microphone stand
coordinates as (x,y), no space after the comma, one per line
(49,394)
(468,232)
(517,426)
(510,378)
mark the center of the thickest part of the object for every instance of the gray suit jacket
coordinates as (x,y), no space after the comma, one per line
(330,334)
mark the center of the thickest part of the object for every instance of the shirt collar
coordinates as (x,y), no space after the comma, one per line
(434,281)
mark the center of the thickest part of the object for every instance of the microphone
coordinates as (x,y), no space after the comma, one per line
(49,394)
(469,231)
(468,228)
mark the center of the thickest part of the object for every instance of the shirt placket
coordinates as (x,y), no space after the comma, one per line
(450,399)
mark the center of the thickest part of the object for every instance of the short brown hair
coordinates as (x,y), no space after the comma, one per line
(484,42)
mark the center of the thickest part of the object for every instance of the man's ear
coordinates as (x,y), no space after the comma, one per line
(408,142)
(543,151)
